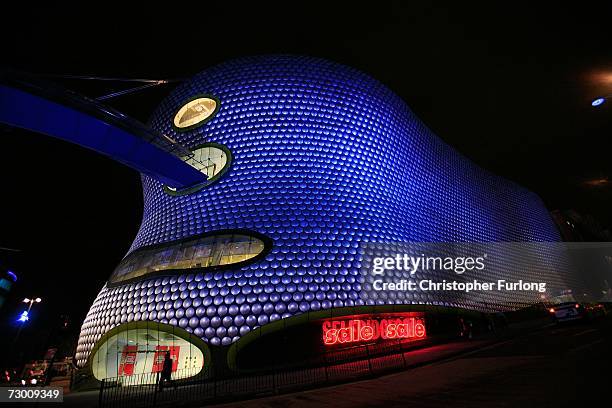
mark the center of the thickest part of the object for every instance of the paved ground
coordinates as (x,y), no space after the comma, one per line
(82,399)
(556,367)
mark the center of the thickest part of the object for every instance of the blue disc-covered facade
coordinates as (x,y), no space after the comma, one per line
(323,158)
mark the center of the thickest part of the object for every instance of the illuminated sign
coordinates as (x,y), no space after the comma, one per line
(369,329)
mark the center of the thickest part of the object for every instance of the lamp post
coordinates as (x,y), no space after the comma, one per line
(25,315)
(30,302)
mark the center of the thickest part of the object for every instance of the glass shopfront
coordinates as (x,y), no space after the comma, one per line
(138,353)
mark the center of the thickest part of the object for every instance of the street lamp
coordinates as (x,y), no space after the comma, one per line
(25,315)
(31,302)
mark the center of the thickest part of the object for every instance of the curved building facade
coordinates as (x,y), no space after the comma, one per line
(306,159)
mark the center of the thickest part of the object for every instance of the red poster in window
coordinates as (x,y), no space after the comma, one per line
(128,360)
(160,355)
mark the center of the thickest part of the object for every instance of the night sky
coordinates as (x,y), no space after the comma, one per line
(509,86)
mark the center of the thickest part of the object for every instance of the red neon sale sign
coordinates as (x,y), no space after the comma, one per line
(370,329)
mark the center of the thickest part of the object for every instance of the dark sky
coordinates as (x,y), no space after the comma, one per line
(507,85)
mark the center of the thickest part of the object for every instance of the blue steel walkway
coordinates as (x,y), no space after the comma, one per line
(47,109)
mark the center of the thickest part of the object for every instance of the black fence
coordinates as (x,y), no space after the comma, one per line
(143,390)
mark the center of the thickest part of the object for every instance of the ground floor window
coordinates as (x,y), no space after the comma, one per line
(141,352)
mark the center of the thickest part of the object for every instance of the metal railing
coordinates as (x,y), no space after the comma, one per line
(142,390)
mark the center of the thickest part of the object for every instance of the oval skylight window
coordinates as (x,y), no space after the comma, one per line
(195,112)
(208,251)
